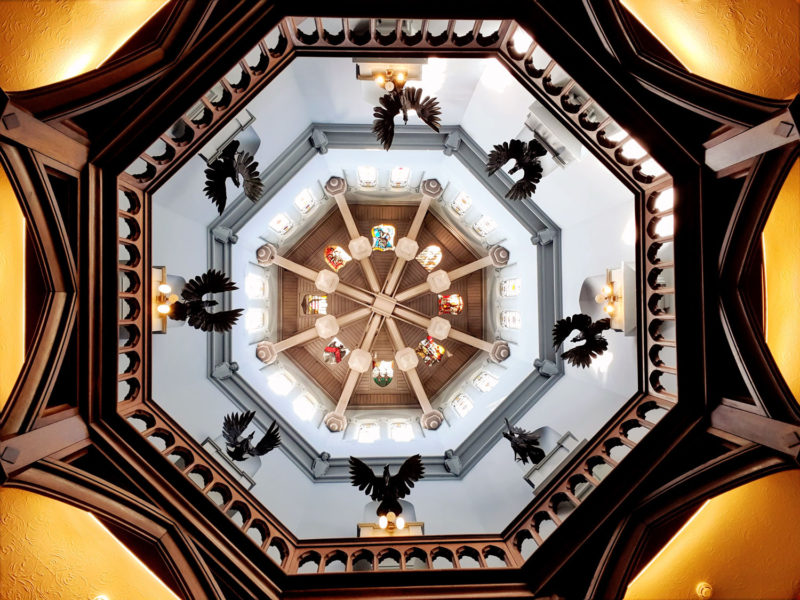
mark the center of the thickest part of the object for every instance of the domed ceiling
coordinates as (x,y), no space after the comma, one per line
(463,354)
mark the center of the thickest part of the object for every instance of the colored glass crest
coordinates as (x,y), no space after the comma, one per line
(430,257)
(336,257)
(450,304)
(382,372)
(334,352)
(383,237)
(430,352)
(314,304)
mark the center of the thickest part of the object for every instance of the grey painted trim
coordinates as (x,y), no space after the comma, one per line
(453,141)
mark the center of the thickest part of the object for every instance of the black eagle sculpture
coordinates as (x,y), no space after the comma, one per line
(240,448)
(404,100)
(387,488)
(591,333)
(526,157)
(194,310)
(525,444)
(232,164)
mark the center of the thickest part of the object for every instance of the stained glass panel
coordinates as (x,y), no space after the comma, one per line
(430,352)
(450,304)
(314,304)
(383,237)
(430,257)
(382,372)
(336,257)
(334,352)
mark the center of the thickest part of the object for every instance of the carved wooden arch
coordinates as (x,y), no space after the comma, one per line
(628,42)
(26,168)
(625,554)
(178,553)
(738,255)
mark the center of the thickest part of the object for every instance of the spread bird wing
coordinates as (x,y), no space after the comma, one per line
(599,326)
(270,441)
(210,282)
(383,125)
(362,477)
(234,424)
(563,327)
(248,169)
(582,356)
(522,189)
(528,435)
(217,172)
(427,110)
(410,471)
(502,153)
(220,321)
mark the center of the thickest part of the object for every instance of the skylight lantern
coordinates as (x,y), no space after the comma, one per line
(461,204)
(304,406)
(304,202)
(510,319)
(367,177)
(280,382)
(462,404)
(510,287)
(484,226)
(399,178)
(485,381)
(281,224)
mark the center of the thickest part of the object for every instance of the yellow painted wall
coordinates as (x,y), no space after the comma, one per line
(750,45)
(745,543)
(49,549)
(45,41)
(12,282)
(782,261)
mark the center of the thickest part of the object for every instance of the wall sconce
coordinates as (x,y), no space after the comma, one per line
(609,296)
(390,79)
(165,299)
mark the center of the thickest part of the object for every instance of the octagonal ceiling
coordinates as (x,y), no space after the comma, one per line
(481,101)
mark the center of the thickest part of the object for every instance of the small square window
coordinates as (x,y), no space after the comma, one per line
(461,204)
(255,319)
(367,177)
(462,404)
(401,431)
(255,287)
(368,432)
(399,177)
(281,224)
(510,319)
(304,202)
(281,383)
(304,407)
(484,226)
(510,287)
(485,381)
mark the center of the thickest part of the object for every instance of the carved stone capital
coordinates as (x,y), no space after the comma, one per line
(335,186)
(266,353)
(431,419)
(224,370)
(452,463)
(500,351)
(547,368)
(266,254)
(452,143)
(499,256)
(544,237)
(335,422)
(224,235)
(319,140)
(431,188)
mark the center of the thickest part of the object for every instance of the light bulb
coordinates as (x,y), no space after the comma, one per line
(609,308)
(163,308)
(383,522)
(607,289)
(380,80)
(600,298)
(400,523)
(164,288)
(400,78)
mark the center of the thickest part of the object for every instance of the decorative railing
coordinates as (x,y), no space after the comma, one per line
(591,123)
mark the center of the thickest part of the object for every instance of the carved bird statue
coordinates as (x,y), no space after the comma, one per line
(525,444)
(404,100)
(526,157)
(591,333)
(387,488)
(231,164)
(240,448)
(194,310)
